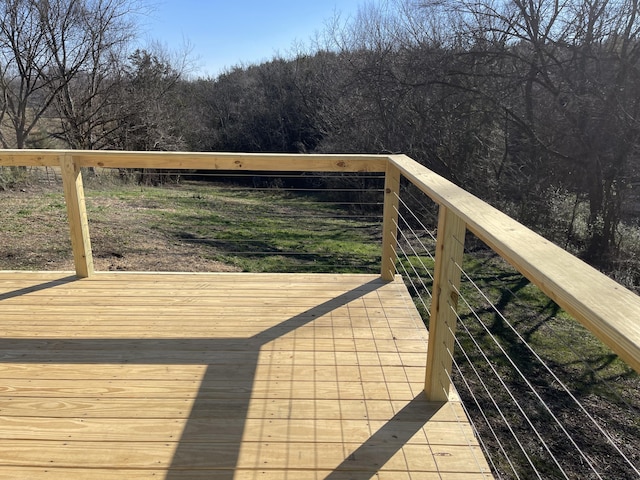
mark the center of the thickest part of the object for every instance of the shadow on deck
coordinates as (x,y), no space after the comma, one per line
(220,376)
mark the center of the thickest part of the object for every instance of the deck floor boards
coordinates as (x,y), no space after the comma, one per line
(220,376)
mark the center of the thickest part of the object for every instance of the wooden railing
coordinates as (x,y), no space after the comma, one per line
(606,308)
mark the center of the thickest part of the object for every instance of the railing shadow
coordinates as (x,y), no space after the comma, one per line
(386,442)
(223,398)
(36,288)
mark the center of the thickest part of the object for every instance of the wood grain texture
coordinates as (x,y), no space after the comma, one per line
(603,306)
(390,222)
(443,319)
(199,160)
(77,216)
(220,376)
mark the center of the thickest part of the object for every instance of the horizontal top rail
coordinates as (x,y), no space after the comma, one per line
(274,162)
(605,307)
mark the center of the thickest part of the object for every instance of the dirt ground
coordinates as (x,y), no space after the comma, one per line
(34,235)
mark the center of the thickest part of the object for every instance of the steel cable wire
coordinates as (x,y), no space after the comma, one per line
(417,239)
(503,383)
(417,257)
(413,285)
(424,247)
(482,412)
(419,277)
(489,394)
(482,445)
(578,356)
(555,377)
(535,393)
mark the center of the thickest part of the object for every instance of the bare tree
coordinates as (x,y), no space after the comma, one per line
(572,95)
(88,52)
(23,51)
(45,45)
(149,112)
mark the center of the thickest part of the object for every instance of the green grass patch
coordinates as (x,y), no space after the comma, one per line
(252,230)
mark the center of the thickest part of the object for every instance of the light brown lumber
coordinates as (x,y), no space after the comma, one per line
(196,455)
(112,389)
(390,222)
(131,455)
(171,301)
(200,160)
(444,304)
(153,408)
(319,373)
(29,158)
(237,474)
(272,408)
(105,371)
(40,281)
(326,383)
(186,290)
(77,216)
(115,331)
(603,306)
(208,430)
(219,277)
(148,308)
(109,473)
(222,388)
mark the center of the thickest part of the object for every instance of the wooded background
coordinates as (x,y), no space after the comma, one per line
(533,105)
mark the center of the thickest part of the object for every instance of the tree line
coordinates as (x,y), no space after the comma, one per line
(533,105)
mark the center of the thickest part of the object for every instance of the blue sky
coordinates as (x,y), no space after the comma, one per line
(224,33)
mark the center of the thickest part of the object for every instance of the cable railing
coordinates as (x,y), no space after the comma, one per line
(293,224)
(486,286)
(523,384)
(190,221)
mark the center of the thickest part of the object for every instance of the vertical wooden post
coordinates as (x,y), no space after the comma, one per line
(77,215)
(390,222)
(442,322)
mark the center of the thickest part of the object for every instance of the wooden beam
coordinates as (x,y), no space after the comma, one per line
(77,216)
(606,308)
(29,158)
(274,162)
(390,222)
(443,319)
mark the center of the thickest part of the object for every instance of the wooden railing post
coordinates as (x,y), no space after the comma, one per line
(390,222)
(442,321)
(77,215)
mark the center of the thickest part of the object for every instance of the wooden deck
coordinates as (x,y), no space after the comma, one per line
(220,376)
